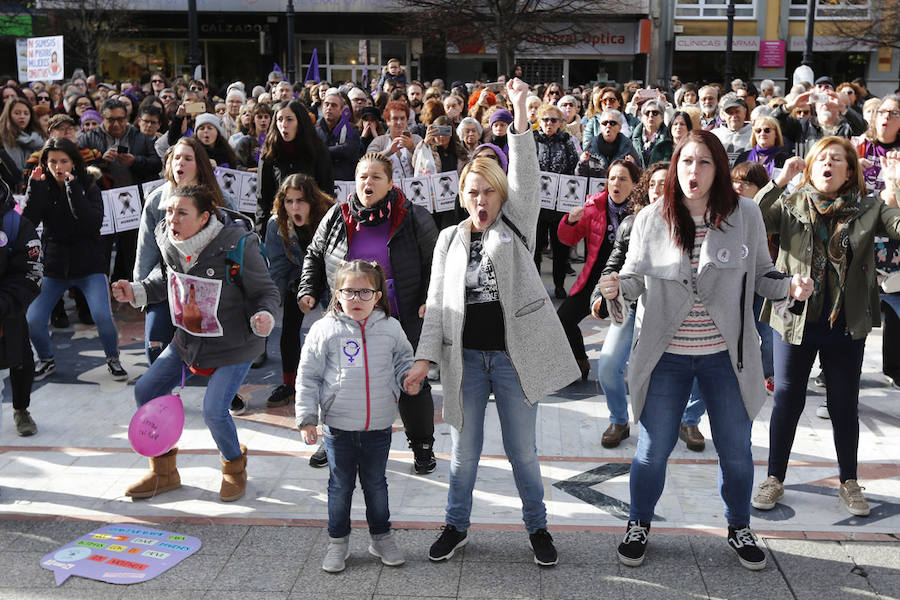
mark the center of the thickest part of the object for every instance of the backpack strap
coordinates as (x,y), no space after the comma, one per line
(234,260)
(515,229)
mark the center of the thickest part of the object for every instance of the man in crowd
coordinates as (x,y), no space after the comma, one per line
(736,132)
(339,135)
(708,97)
(415,95)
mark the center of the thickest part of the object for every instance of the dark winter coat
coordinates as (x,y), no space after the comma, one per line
(343,149)
(806,131)
(410,247)
(272,172)
(20,283)
(72,217)
(147,163)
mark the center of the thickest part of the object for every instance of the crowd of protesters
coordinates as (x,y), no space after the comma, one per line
(729,298)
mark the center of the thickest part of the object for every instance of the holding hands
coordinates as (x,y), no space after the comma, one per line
(609,286)
(412,383)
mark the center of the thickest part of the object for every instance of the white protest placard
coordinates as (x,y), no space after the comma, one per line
(125,204)
(230,181)
(343,190)
(596,185)
(44,58)
(22,58)
(150,186)
(549,187)
(247,199)
(446,188)
(418,191)
(107,227)
(572,190)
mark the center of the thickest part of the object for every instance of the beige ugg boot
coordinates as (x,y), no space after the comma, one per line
(234,477)
(163,476)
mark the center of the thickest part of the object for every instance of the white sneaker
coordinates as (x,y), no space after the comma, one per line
(822,411)
(336,554)
(387,550)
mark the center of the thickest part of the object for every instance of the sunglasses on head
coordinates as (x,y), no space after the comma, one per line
(762,130)
(549,120)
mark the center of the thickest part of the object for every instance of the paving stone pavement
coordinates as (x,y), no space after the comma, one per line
(70,479)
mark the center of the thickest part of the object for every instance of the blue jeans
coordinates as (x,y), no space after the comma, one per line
(611,368)
(484,372)
(96,292)
(157,328)
(165,373)
(351,453)
(766,343)
(667,395)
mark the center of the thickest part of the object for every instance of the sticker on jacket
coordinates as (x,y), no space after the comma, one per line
(351,353)
(194,304)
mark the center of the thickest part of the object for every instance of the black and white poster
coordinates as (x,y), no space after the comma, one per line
(418,191)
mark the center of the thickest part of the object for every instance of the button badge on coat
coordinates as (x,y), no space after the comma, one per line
(745,251)
(505,237)
(210,272)
(723,255)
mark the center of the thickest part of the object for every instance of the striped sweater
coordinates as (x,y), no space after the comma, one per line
(697,334)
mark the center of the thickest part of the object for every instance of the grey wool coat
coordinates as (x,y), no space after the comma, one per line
(734,263)
(535,341)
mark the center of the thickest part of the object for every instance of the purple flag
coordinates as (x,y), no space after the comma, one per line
(312,73)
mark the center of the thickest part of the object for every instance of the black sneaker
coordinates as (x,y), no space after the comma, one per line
(743,541)
(44,367)
(281,396)
(116,370)
(820,379)
(238,407)
(319,459)
(544,550)
(59,318)
(450,541)
(423,458)
(634,544)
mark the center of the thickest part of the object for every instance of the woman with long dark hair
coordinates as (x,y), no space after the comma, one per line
(291,146)
(696,257)
(64,198)
(299,207)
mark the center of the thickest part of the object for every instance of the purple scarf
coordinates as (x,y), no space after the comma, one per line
(767,155)
(615,213)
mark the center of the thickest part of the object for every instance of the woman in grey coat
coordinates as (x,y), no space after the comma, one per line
(486,314)
(697,256)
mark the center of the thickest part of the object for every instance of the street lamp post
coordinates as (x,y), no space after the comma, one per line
(193,44)
(290,41)
(729,45)
(810,25)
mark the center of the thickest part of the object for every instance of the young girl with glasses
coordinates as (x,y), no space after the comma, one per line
(352,369)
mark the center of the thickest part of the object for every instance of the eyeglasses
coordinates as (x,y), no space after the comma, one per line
(43,98)
(565,104)
(349,294)
(652,113)
(550,120)
(609,123)
(802,113)
(741,183)
(149,122)
(762,130)
(157,81)
(553,93)
(609,100)
(893,114)
(167,97)
(196,88)
(115,119)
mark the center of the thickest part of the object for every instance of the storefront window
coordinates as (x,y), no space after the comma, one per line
(714,9)
(339,59)
(134,59)
(344,52)
(306,51)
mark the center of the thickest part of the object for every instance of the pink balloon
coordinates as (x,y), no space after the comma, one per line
(156,426)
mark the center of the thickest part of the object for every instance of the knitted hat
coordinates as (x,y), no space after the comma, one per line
(501,115)
(91,115)
(500,154)
(209,119)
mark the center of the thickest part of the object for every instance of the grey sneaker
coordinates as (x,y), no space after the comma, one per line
(25,425)
(822,411)
(770,492)
(335,554)
(387,550)
(852,496)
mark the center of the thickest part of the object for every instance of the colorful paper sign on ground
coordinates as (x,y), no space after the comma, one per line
(120,554)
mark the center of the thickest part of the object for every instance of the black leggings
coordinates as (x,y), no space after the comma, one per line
(548,224)
(291,342)
(576,307)
(21,377)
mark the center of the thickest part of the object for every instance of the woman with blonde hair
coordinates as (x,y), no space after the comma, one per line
(766,145)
